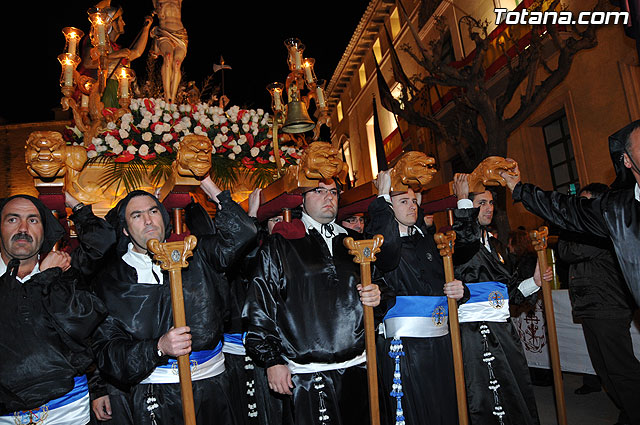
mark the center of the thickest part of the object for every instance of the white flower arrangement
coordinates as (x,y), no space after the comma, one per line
(154,128)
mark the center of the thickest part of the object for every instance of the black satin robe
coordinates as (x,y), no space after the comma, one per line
(46,323)
(615,215)
(303,303)
(474,263)
(412,265)
(139,313)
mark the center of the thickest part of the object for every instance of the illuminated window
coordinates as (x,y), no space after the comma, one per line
(377,51)
(363,75)
(339,111)
(371,142)
(396,92)
(394,20)
(346,150)
(560,154)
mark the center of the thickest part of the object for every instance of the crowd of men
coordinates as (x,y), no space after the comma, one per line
(274,310)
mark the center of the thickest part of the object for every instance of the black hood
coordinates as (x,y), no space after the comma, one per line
(116,218)
(624,176)
(52,229)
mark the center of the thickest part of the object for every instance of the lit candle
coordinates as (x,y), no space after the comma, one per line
(124,84)
(307,72)
(276,99)
(68,73)
(296,58)
(84,102)
(73,42)
(102,40)
(320,94)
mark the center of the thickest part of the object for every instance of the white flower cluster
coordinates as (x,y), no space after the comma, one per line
(155,124)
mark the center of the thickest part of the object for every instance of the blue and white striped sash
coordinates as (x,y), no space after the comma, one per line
(234,344)
(489,302)
(417,317)
(204,364)
(71,408)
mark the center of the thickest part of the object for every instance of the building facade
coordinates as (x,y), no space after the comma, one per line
(562,143)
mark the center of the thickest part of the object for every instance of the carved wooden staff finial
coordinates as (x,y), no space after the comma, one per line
(173,258)
(539,239)
(364,252)
(445,243)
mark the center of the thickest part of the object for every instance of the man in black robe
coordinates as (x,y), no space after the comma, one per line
(499,389)
(137,345)
(602,304)
(614,215)
(415,347)
(46,314)
(304,315)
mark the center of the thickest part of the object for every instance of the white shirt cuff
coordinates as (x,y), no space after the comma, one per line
(528,287)
(386,197)
(465,203)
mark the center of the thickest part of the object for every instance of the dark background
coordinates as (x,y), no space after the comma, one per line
(249,35)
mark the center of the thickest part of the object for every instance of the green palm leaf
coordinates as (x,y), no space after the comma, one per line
(224,172)
(131,175)
(264,175)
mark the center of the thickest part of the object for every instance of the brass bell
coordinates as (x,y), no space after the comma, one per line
(298,120)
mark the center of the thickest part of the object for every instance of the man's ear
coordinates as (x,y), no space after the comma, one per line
(125,232)
(626,160)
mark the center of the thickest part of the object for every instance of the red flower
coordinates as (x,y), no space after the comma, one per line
(241,113)
(262,160)
(91,147)
(108,112)
(250,140)
(248,162)
(148,103)
(127,142)
(294,155)
(151,155)
(125,156)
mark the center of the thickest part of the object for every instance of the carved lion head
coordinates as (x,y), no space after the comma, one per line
(487,173)
(321,161)
(194,156)
(45,154)
(413,170)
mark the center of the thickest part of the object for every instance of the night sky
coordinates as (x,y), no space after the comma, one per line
(249,35)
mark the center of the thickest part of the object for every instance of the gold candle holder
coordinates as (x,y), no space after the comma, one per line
(72,38)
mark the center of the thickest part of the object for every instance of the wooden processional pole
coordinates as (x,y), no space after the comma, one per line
(445,244)
(364,252)
(539,239)
(173,258)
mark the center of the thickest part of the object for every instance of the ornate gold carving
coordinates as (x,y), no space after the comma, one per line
(173,255)
(192,164)
(48,157)
(539,238)
(194,156)
(487,173)
(413,170)
(365,250)
(320,161)
(445,242)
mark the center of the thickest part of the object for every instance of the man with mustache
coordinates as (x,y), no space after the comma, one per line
(499,390)
(46,311)
(304,312)
(137,346)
